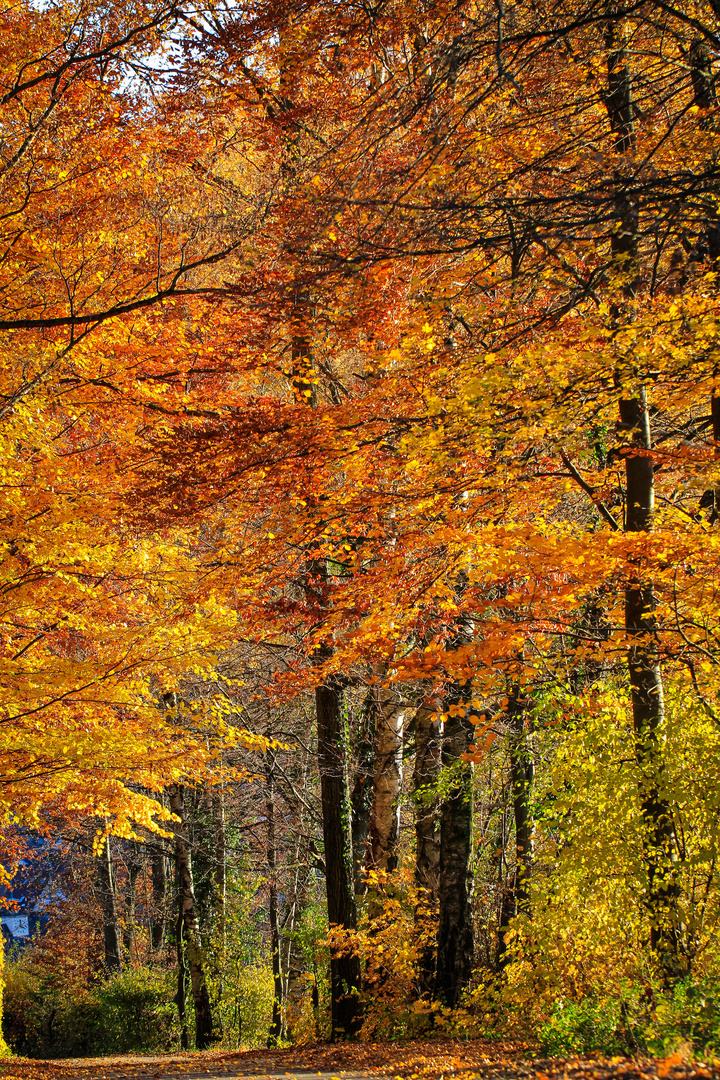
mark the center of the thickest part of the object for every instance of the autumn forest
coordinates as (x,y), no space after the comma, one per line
(360,526)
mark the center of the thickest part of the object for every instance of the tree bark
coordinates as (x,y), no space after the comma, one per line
(134,866)
(705,96)
(159,894)
(427,725)
(428,741)
(188,914)
(646,687)
(522,772)
(619,103)
(218,803)
(515,896)
(108,902)
(362,791)
(455,930)
(276,1031)
(181,996)
(646,690)
(344,968)
(701,77)
(387,780)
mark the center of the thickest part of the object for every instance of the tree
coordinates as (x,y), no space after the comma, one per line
(467,242)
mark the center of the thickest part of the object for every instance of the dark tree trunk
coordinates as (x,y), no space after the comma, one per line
(344,968)
(701,76)
(522,772)
(619,102)
(515,896)
(426,723)
(332,755)
(218,810)
(276,1031)
(711,499)
(705,95)
(455,930)
(646,689)
(108,902)
(425,776)
(188,913)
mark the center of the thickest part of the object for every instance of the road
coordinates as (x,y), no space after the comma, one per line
(439,1059)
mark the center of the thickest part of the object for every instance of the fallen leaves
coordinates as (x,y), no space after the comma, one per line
(471,1060)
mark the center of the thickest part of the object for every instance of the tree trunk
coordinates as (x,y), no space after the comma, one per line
(619,103)
(220,877)
(428,739)
(646,688)
(159,894)
(701,77)
(705,96)
(387,779)
(332,756)
(276,1031)
(181,996)
(522,771)
(515,896)
(295,987)
(362,791)
(455,930)
(344,968)
(188,914)
(506,889)
(134,866)
(108,902)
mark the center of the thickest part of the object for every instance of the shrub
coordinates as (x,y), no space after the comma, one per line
(579,1027)
(133,1010)
(639,1019)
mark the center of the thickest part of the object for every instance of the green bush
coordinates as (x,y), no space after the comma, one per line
(578,1027)
(132,1011)
(642,1020)
(689,1016)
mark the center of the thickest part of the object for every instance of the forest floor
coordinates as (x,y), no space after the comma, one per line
(442,1059)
